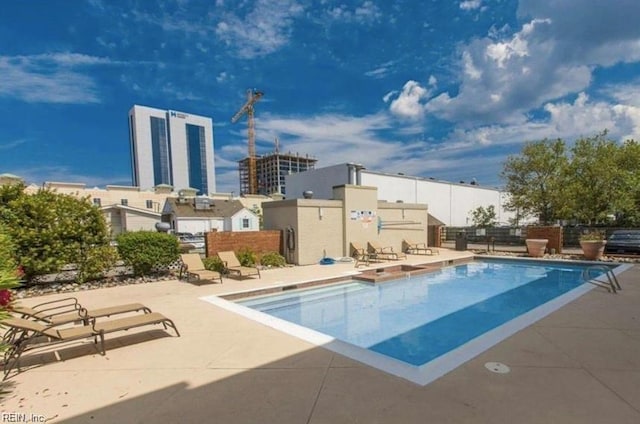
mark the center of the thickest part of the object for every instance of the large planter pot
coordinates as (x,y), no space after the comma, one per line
(536,247)
(592,249)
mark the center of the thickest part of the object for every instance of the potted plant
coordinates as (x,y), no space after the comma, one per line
(592,244)
(536,247)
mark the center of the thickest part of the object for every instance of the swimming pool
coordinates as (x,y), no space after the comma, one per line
(423,326)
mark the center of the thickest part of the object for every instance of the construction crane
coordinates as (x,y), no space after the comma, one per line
(252,97)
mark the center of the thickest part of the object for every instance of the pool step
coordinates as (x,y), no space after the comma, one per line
(270,303)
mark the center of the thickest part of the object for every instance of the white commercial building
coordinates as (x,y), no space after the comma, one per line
(170,147)
(450,203)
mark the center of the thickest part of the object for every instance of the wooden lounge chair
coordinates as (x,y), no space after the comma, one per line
(386,252)
(232,265)
(29,335)
(69,310)
(419,248)
(361,255)
(192,266)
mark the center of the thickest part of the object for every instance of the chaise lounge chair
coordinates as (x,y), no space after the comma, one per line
(192,266)
(386,252)
(69,310)
(27,335)
(361,255)
(232,265)
(419,248)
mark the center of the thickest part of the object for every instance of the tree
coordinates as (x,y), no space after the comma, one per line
(49,230)
(628,164)
(536,179)
(595,183)
(484,217)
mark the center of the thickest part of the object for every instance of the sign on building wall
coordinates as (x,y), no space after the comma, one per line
(365,217)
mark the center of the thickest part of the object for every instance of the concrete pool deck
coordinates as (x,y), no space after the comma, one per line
(580,364)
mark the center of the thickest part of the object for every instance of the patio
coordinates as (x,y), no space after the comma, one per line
(581,364)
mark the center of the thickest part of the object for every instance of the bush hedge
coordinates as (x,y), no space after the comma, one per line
(142,250)
(49,230)
(273,259)
(246,256)
(213,263)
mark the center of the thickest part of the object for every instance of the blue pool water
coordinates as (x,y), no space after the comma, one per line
(420,318)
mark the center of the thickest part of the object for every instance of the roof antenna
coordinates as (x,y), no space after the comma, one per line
(277,145)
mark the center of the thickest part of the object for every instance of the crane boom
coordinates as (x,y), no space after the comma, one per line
(247,109)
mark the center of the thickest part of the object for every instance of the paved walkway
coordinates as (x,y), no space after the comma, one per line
(581,364)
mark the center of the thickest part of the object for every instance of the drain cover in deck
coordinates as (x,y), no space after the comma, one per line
(497,367)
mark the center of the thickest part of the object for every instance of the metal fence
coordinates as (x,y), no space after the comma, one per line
(510,236)
(516,236)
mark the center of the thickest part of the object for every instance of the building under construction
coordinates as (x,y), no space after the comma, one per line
(271,170)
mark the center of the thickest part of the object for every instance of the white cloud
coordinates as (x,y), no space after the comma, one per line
(470,4)
(553,55)
(470,70)
(171,91)
(367,12)
(585,117)
(517,47)
(389,95)
(501,80)
(566,120)
(628,94)
(409,103)
(262,31)
(12,144)
(381,71)
(49,78)
(41,174)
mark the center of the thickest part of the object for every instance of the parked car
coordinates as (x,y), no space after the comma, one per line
(196,242)
(623,242)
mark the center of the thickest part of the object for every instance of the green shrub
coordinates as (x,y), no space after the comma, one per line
(213,263)
(7,260)
(9,278)
(246,257)
(49,230)
(95,261)
(273,259)
(143,250)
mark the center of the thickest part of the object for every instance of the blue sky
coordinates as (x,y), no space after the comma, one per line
(443,89)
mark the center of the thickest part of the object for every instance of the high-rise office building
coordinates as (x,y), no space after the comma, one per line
(170,147)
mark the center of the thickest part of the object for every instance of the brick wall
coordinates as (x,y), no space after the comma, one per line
(553,234)
(257,241)
(435,235)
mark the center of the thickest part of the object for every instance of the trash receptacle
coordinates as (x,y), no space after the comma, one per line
(461,241)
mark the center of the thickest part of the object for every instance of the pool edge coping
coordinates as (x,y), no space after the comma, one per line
(437,367)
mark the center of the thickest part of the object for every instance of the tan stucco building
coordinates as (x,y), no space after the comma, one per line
(314,228)
(127,208)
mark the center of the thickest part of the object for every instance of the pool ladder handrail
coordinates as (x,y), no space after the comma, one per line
(612,284)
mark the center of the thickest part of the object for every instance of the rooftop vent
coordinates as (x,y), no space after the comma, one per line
(307,194)
(202,203)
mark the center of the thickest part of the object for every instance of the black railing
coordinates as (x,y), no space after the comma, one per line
(511,236)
